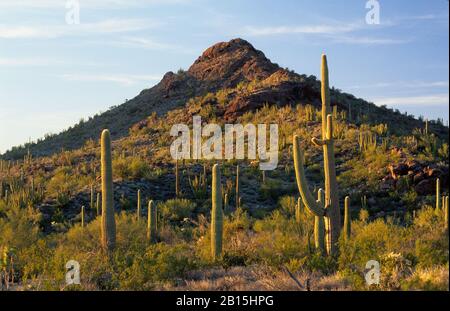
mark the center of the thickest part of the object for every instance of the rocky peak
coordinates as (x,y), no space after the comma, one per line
(225,64)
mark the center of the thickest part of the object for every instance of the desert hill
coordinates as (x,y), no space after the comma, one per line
(223,66)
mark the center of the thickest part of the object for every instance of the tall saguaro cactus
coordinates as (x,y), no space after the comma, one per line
(82,217)
(216,214)
(151,222)
(347,218)
(330,210)
(108,233)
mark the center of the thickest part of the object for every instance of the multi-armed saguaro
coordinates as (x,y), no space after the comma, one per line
(108,220)
(331,211)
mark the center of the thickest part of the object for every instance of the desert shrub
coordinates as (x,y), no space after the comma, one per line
(429,279)
(176,209)
(159,263)
(271,189)
(61,185)
(288,204)
(131,168)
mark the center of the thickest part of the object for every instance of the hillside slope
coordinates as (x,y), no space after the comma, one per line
(224,65)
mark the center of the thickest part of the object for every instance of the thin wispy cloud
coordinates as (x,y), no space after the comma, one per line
(122,79)
(82,29)
(304,29)
(334,32)
(363,40)
(147,43)
(96,4)
(427,100)
(402,84)
(19,62)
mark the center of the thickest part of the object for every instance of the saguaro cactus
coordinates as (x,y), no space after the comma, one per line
(237,186)
(138,209)
(298,209)
(225,202)
(92,197)
(108,233)
(319,226)
(82,217)
(446,213)
(97,204)
(347,218)
(151,222)
(216,214)
(177,179)
(438,194)
(331,211)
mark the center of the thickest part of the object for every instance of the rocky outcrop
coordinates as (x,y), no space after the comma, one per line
(226,64)
(419,175)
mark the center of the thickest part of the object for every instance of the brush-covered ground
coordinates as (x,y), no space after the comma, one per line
(394,221)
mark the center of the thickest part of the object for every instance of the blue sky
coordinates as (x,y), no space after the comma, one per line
(52,73)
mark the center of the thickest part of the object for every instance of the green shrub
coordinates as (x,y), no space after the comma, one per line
(176,209)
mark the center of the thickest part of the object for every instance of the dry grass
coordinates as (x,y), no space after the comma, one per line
(257,278)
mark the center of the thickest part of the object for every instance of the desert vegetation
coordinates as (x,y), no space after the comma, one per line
(347,189)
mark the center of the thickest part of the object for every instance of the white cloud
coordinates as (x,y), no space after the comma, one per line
(368,40)
(334,31)
(96,4)
(305,29)
(54,31)
(15,62)
(427,100)
(402,84)
(122,79)
(144,43)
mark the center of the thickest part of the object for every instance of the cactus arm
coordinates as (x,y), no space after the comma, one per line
(325,91)
(302,184)
(318,142)
(319,226)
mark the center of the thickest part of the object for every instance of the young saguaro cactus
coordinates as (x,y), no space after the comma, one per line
(446,213)
(331,211)
(237,186)
(319,226)
(92,197)
(97,204)
(438,194)
(151,222)
(138,208)
(177,179)
(82,217)
(216,214)
(347,218)
(108,233)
